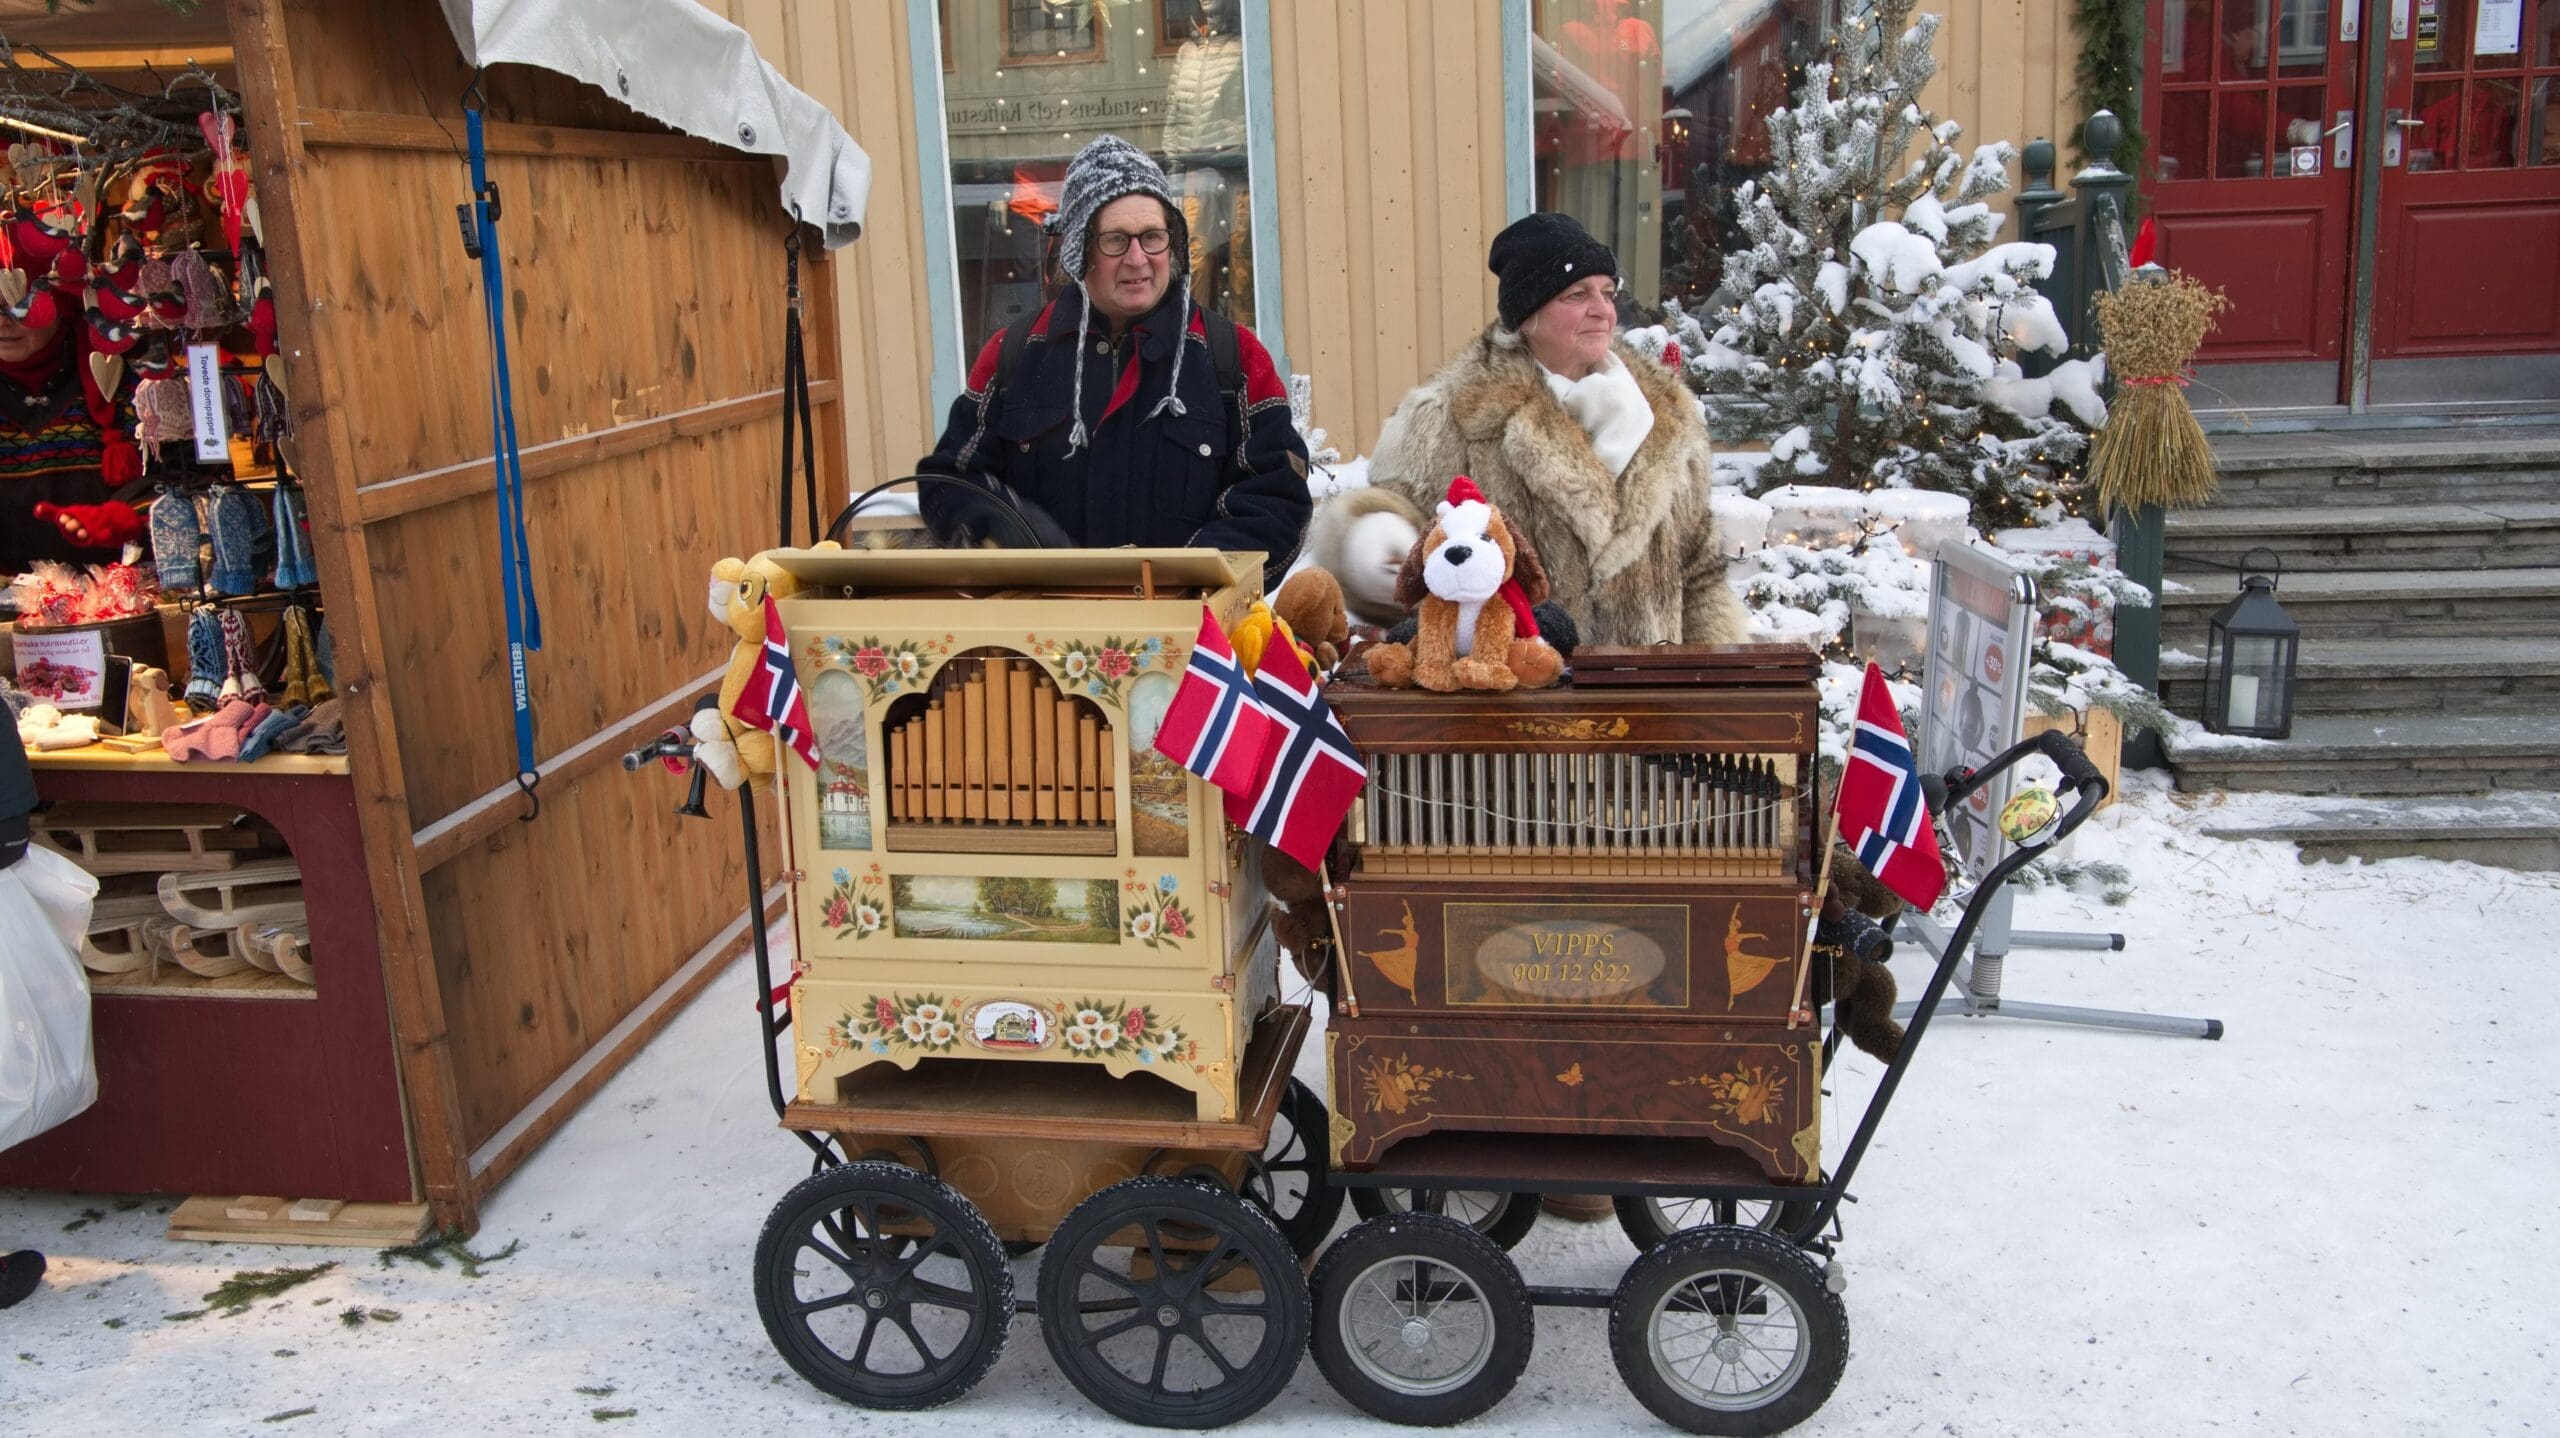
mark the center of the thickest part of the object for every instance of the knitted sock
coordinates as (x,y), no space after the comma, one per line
(204,659)
(234,521)
(296,688)
(239,659)
(177,541)
(324,664)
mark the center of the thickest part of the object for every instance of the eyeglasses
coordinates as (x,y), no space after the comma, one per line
(1115,243)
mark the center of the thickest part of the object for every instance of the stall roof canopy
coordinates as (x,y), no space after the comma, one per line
(686,68)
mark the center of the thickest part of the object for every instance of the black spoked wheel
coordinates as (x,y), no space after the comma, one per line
(1506,1218)
(1421,1320)
(1648,1221)
(1288,1181)
(1728,1331)
(1173,1303)
(883,1286)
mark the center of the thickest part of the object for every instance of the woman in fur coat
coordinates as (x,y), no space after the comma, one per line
(1596,451)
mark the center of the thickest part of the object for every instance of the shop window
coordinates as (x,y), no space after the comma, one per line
(1027,83)
(1647,116)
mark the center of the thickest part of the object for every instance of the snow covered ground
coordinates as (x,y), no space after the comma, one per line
(2336,1221)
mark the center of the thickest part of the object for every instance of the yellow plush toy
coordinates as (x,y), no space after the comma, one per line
(733,751)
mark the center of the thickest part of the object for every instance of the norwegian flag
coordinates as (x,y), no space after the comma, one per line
(772,699)
(1878,804)
(1310,773)
(1215,727)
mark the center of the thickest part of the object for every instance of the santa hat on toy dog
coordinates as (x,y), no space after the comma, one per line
(1456,517)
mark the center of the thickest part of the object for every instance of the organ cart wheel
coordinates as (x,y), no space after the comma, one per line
(883,1286)
(1288,1180)
(1648,1221)
(1420,1319)
(1173,1303)
(1728,1331)
(1506,1218)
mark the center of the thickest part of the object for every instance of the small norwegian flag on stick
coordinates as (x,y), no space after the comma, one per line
(1878,809)
(1310,775)
(1215,727)
(772,699)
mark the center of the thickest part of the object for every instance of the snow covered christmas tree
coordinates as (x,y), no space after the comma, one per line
(1873,318)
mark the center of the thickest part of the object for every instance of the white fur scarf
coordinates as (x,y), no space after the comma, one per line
(1609,406)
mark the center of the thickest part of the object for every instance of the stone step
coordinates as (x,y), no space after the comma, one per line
(2493,534)
(2508,831)
(2521,603)
(2422,755)
(2436,464)
(2398,677)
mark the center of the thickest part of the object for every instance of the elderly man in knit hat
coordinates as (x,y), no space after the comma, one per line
(1123,410)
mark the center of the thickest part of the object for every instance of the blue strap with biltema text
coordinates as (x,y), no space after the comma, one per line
(515,558)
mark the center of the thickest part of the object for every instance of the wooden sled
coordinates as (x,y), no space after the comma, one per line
(206,953)
(261,893)
(109,839)
(282,947)
(115,943)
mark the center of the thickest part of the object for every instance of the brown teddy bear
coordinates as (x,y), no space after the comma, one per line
(1310,603)
(1862,988)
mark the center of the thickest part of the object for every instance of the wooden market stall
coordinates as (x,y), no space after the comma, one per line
(492,963)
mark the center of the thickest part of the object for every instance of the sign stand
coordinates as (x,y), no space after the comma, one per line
(1982,612)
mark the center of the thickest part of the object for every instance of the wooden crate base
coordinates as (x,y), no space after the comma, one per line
(254,1219)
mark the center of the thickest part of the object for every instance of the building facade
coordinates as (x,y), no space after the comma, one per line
(1344,163)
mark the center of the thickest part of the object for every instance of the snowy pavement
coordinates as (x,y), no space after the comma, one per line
(2336,1221)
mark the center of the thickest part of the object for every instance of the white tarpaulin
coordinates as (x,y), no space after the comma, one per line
(688,69)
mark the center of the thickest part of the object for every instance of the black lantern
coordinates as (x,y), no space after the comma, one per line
(2249,653)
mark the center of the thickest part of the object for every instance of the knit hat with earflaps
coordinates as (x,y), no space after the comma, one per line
(1108,169)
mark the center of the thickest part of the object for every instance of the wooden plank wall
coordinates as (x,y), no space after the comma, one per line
(1388,142)
(645,311)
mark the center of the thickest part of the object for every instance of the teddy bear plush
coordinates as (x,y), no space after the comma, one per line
(1472,580)
(732,750)
(1862,988)
(1310,604)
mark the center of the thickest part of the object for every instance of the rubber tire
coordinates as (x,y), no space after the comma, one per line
(1505,1225)
(1311,1221)
(1443,1240)
(969,1236)
(1646,1230)
(1770,1260)
(1251,1232)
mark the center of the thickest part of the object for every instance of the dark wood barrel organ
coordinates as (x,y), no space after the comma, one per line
(1582,911)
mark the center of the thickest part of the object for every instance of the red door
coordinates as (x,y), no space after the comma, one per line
(2469,250)
(2252,167)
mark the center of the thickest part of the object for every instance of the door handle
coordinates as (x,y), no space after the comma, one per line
(2395,131)
(2410,124)
(2342,150)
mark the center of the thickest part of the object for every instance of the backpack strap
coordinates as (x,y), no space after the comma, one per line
(1228,361)
(1016,335)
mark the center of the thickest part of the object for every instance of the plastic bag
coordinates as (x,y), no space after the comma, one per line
(47,1073)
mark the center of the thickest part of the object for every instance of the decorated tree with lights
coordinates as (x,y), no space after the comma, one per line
(1872,320)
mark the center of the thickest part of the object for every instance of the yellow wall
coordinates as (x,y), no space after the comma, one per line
(1388,142)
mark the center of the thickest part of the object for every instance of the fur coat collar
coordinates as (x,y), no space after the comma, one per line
(1498,396)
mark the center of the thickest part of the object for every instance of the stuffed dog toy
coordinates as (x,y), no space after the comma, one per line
(1472,579)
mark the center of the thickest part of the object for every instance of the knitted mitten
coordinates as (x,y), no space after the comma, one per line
(204,660)
(233,518)
(216,736)
(301,672)
(324,662)
(293,541)
(262,735)
(177,542)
